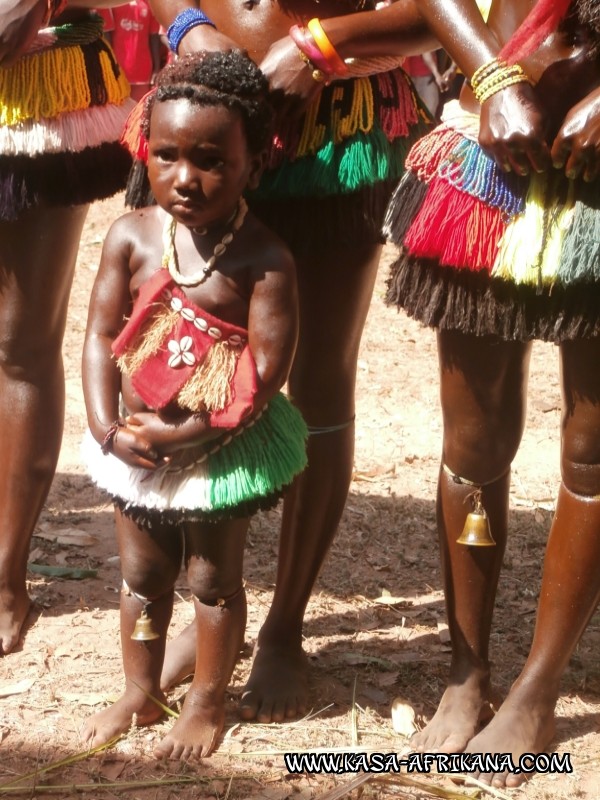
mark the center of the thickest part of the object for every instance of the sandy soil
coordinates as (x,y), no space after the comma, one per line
(363,653)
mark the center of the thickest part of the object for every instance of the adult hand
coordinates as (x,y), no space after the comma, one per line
(290,78)
(576,147)
(20,21)
(205,37)
(512,130)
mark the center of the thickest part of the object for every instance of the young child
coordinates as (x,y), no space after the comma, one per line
(190,434)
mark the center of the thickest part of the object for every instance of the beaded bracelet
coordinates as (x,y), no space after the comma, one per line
(183,23)
(106,445)
(328,51)
(494,76)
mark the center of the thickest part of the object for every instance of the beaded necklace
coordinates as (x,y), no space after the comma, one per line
(170,260)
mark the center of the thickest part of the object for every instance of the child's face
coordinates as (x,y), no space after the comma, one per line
(198,161)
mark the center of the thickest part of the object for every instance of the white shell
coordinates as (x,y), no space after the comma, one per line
(201,324)
(189,359)
(175,361)
(235,339)
(176,303)
(220,249)
(188,314)
(228,238)
(174,346)
(215,333)
(186,343)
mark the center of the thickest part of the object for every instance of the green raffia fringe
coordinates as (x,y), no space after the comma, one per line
(361,160)
(264,459)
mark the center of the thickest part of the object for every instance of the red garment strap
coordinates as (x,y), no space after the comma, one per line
(541,21)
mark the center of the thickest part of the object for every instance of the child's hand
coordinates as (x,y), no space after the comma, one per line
(134,449)
(165,437)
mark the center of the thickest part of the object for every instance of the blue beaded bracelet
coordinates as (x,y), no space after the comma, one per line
(183,23)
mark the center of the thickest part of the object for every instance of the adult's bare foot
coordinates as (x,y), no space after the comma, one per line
(14,608)
(116,719)
(524,724)
(277,688)
(196,732)
(180,658)
(463,709)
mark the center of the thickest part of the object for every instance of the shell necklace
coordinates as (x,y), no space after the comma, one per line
(170,260)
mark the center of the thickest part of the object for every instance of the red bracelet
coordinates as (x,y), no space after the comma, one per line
(107,444)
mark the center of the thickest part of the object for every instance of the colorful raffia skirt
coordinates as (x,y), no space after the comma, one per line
(63,106)
(331,172)
(234,476)
(491,253)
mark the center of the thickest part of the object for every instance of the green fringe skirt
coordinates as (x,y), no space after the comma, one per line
(245,470)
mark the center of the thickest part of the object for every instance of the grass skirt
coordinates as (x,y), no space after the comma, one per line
(249,470)
(484,252)
(63,106)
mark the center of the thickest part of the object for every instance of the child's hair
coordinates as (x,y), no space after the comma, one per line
(229,79)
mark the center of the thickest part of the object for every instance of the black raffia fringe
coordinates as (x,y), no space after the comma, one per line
(61,179)
(473,303)
(306,223)
(403,207)
(138,193)
(151,518)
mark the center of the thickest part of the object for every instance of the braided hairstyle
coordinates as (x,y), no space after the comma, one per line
(229,79)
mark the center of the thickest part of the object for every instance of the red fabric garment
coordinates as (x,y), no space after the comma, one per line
(156,382)
(131,26)
(416,66)
(541,21)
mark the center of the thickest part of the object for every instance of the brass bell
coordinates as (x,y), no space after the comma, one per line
(476,531)
(143,630)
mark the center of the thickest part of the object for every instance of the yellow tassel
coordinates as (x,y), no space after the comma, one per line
(53,82)
(209,388)
(148,341)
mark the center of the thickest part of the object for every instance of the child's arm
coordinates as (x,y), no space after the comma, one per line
(109,303)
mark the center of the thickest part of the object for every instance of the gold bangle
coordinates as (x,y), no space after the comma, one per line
(497,79)
(330,54)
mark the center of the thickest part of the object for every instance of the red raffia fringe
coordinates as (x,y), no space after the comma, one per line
(455,229)
(132,136)
(541,21)
(427,153)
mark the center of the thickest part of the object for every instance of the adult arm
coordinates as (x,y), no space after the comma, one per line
(513,126)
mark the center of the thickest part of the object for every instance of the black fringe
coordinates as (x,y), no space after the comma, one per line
(138,193)
(306,223)
(151,518)
(473,303)
(61,179)
(403,207)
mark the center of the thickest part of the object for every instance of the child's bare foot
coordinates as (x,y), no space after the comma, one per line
(462,710)
(14,608)
(180,658)
(116,719)
(277,688)
(196,732)
(521,726)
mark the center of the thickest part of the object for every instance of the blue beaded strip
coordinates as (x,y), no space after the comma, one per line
(183,23)
(472,171)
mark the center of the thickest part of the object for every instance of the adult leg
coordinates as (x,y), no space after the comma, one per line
(335,291)
(37,258)
(483,383)
(570,588)
(215,561)
(150,564)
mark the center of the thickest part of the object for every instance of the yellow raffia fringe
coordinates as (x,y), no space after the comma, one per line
(529,250)
(360,117)
(148,341)
(209,388)
(53,82)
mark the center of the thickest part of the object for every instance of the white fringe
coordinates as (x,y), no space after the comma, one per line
(158,490)
(70,132)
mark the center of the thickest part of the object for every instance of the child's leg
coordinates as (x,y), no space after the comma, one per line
(570,588)
(150,563)
(215,561)
(483,384)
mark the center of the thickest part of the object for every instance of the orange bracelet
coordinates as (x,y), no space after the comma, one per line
(330,54)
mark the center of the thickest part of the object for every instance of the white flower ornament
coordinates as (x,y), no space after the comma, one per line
(181,352)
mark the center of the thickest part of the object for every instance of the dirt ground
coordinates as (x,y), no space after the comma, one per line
(363,653)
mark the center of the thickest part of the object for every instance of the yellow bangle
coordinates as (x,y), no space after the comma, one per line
(330,54)
(495,76)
